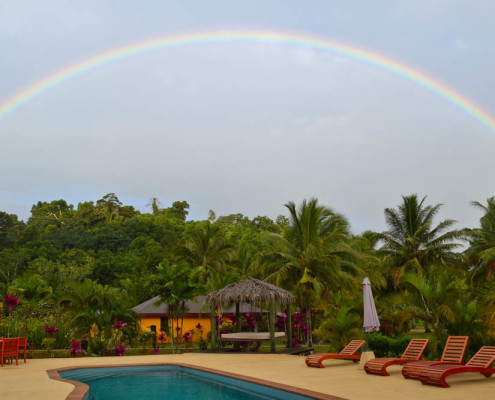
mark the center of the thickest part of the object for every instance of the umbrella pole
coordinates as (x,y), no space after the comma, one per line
(366,341)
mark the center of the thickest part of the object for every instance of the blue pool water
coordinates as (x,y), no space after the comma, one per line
(169,382)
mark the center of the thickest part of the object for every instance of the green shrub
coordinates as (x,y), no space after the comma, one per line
(384,346)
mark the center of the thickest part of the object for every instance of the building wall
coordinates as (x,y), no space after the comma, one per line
(190,322)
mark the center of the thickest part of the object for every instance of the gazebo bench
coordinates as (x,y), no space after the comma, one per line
(250,336)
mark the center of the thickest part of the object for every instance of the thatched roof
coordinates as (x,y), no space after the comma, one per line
(251,291)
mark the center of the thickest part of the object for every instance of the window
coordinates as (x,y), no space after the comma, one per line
(164,324)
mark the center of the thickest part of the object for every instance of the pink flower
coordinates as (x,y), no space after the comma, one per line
(75,348)
(161,337)
(119,325)
(120,350)
(10,300)
(199,326)
(51,330)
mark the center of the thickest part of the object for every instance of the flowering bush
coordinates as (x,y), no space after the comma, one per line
(119,350)
(75,348)
(10,300)
(51,330)
(119,325)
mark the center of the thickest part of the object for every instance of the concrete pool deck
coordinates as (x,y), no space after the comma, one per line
(340,378)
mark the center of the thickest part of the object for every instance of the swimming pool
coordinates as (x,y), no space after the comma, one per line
(171,382)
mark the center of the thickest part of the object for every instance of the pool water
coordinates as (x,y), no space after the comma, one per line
(169,382)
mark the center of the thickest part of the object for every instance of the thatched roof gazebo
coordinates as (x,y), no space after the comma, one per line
(257,292)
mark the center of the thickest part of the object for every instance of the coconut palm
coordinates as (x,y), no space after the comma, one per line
(311,254)
(432,297)
(412,242)
(206,248)
(481,253)
(245,261)
(175,288)
(93,308)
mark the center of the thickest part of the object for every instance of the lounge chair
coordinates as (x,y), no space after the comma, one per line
(452,354)
(9,350)
(22,346)
(414,351)
(348,353)
(480,362)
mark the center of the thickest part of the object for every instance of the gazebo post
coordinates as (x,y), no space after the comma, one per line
(237,323)
(289,327)
(272,327)
(213,332)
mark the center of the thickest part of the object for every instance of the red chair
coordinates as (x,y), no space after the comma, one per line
(480,362)
(348,353)
(22,346)
(413,352)
(9,350)
(452,354)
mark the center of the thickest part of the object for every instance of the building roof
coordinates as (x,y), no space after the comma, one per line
(196,306)
(251,291)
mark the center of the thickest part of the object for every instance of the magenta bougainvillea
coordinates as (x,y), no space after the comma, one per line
(10,301)
(119,325)
(75,348)
(51,330)
(119,350)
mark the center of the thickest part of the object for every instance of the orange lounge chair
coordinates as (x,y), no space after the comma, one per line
(9,350)
(452,354)
(480,362)
(22,346)
(348,353)
(413,352)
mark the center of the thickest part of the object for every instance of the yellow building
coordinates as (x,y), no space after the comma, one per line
(196,320)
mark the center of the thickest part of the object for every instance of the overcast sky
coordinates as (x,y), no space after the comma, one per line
(247,127)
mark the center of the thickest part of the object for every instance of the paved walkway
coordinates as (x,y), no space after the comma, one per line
(340,378)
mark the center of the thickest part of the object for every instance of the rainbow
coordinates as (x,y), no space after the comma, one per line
(287,39)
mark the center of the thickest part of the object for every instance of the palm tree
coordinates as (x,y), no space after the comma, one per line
(412,242)
(206,248)
(174,287)
(245,261)
(481,253)
(311,254)
(93,308)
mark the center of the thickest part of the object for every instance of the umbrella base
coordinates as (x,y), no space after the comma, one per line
(365,357)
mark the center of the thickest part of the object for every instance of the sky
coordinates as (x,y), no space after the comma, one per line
(245,127)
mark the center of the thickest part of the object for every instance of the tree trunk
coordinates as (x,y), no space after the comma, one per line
(213,332)
(289,328)
(272,328)
(308,318)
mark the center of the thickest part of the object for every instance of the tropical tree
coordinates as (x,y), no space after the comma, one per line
(413,243)
(432,297)
(245,261)
(175,288)
(93,309)
(311,254)
(481,253)
(206,248)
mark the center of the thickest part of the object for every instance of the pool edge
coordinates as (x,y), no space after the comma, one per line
(80,389)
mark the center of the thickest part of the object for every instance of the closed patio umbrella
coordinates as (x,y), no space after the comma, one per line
(370,320)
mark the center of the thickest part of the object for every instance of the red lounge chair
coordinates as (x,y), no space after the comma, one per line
(480,362)
(9,350)
(22,346)
(413,352)
(452,354)
(348,353)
